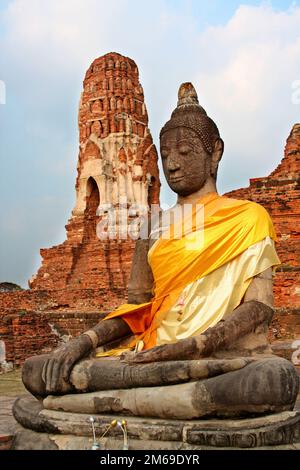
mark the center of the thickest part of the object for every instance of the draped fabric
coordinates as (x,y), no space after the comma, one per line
(214,233)
(206,301)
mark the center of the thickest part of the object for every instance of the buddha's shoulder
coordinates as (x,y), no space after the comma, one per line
(252,209)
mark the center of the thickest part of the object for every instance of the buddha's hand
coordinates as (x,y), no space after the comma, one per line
(189,348)
(57,368)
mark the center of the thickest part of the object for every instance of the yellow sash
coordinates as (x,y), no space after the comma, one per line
(229,227)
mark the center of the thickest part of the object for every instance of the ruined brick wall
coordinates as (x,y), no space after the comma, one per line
(279,193)
(35,321)
(27,333)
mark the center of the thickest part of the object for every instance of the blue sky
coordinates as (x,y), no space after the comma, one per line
(242,57)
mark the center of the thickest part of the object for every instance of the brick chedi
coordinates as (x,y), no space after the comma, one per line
(117,175)
(279,193)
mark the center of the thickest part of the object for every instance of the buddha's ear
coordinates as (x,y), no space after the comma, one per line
(216,157)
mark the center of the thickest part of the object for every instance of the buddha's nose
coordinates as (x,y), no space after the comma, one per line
(173,164)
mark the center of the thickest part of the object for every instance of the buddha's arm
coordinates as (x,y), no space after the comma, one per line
(58,366)
(254,311)
(139,291)
(261,288)
(141,279)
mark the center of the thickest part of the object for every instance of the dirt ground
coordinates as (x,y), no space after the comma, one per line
(11,387)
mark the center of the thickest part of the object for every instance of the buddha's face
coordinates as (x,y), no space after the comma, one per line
(186,163)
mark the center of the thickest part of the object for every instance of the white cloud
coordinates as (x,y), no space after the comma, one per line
(246,82)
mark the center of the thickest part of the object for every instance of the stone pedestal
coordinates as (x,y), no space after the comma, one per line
(58,430)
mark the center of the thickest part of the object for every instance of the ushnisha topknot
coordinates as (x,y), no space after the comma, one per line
(190,114)
(187,96)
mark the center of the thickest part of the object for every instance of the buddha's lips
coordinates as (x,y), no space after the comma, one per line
(174,180)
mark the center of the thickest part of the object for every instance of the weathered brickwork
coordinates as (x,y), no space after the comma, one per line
(26,333)
(36,321)
(279,193)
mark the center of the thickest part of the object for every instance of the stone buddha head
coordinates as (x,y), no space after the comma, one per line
(190,145)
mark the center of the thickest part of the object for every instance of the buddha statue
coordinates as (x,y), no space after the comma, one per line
(193,339)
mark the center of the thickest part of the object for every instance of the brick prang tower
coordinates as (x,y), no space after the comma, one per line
(117,169)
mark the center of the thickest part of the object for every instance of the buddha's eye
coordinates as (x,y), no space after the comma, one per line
(184,149)
(164,153)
